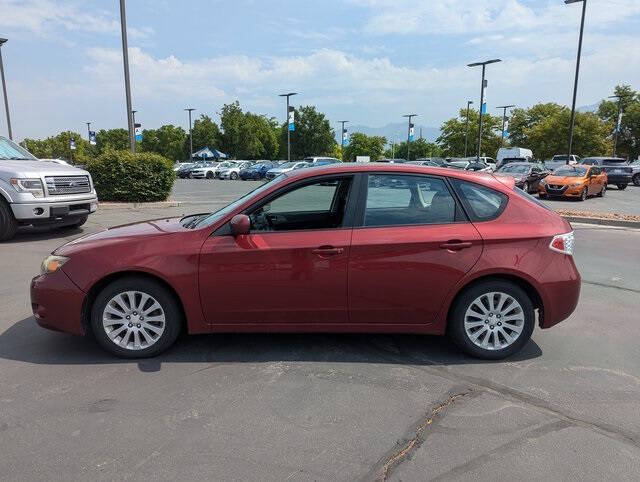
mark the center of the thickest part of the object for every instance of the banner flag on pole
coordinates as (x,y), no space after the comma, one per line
(292,126)
(72,144)
(92,138)
(411,133)
(483,108)
(138,131)
(344,137)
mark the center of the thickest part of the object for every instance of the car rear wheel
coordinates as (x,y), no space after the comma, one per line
(636,179)
(135,318)
(233,176)
(8,223)
(492,320)
(622,187)
(209,175)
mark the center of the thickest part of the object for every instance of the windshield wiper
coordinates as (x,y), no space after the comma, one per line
(196,219)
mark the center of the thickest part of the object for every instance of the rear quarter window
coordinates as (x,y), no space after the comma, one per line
(482,203)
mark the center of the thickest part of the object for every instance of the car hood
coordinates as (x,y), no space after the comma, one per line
(38,169)
(126,232)
(563,179)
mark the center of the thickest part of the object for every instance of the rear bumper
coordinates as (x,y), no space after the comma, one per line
(560,295)
(57,303)
(51,212)
(619,178)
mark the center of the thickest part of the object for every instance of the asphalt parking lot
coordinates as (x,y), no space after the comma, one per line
(325,407)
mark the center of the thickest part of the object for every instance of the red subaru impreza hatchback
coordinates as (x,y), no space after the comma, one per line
(346,248)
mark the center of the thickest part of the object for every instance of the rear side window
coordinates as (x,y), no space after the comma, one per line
(483,203)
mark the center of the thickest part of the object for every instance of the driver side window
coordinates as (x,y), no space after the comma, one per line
(319,205)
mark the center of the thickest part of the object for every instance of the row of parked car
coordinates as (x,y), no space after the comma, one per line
(245,170)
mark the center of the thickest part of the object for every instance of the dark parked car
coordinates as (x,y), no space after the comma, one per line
(619,172)
(526,174)
(256,171)
(326,249)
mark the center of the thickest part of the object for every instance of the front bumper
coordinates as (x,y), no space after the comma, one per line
(44,211)
(562,190)
(57,303)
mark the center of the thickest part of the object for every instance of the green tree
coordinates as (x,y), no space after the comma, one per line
(419,148)
(246,135)
(453,133)
(231,120)
(58,147)
(205,134)
(544,128)
(168,141)
(629,135)
(363,145)
(313,135)
(112,139)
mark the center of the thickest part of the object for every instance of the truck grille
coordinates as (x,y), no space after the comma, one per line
(61,185)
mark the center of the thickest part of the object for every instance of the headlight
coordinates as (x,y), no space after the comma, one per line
(543,182)
(575,184)
(52,263)
(34,186)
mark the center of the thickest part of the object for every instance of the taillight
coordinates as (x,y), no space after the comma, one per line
(562,243)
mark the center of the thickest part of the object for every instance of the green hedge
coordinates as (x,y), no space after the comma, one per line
(139,177)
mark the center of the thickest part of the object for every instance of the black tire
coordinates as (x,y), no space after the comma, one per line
(76,224)
(636,179)
(622,187)
(458,334)
(233,176)
(603,191)
(209,175)
(525,187)
(166,299)
(583,194)
(542,195)
(8,223)
(190,175)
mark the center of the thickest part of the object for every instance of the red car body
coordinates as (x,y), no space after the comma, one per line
(395,279)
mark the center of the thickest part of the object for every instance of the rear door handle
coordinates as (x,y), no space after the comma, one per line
(327,251)
(456,245)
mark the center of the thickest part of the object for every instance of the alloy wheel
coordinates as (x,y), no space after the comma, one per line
(494,321)
(133,320)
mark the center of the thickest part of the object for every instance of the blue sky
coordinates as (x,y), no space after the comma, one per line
(369,61)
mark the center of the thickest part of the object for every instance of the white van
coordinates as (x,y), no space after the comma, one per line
(513,153)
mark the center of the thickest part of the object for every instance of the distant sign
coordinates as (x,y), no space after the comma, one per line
(92,138)
(138,131)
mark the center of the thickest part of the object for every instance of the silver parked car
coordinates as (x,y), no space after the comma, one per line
(35,192)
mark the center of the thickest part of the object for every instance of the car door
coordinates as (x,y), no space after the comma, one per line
(290,268)
(410,246)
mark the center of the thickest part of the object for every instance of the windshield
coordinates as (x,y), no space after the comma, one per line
(287,165)
(560,158)
(515,168)
(570,171)
(11,150)
(209,219)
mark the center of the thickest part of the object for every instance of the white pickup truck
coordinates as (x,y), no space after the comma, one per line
(38,192)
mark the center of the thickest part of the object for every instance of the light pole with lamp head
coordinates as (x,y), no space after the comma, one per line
(575,82)
(618,121)
(482,106)
(288,127)
(190,109)
(342,137)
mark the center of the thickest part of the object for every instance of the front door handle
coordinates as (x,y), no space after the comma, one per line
(327,251)
(456,245)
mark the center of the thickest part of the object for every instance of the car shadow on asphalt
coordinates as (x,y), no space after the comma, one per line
(25,341)
(29,234)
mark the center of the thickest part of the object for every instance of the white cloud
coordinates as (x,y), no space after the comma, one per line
(49,17)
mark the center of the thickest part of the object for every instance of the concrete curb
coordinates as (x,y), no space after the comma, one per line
(150,205)
(603,222)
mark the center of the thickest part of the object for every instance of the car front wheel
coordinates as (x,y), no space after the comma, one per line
(233,176)
(583,194)
(622,187)
(636,179)
(135,318)
(492,320)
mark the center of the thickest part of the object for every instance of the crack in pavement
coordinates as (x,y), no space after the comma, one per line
(615,287)
(412,444)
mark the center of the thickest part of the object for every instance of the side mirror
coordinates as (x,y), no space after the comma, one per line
(240,224)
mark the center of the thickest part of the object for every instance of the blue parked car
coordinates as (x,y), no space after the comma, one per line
(256,171)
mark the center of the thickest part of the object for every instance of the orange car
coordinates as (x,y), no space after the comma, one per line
(576,180)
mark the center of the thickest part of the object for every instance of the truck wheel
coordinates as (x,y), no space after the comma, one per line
(76,224)
(622,187)
(8,224)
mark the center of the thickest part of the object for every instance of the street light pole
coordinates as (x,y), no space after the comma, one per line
(466,137)
(127,84)
(618,123)
(288,130)
(575,82)
(190,109)
(504,116)
(342,133)
(89,130)
(4,89)
(409,116)
(482,87)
